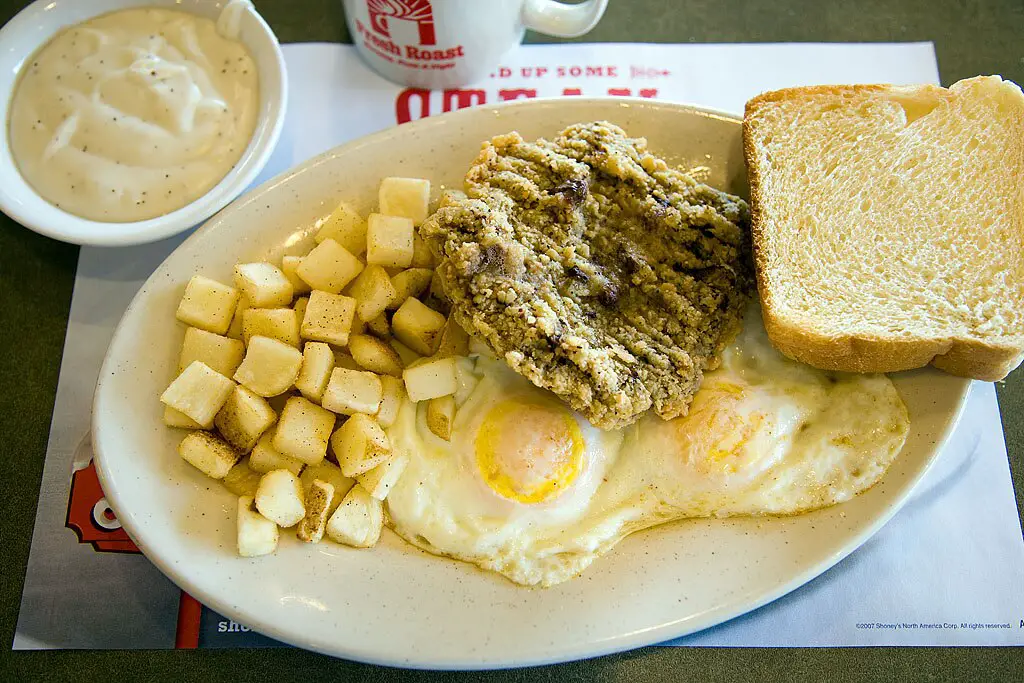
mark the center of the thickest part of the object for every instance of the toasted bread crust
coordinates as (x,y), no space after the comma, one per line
(961,356)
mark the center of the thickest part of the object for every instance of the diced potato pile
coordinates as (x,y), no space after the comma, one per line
(289,376)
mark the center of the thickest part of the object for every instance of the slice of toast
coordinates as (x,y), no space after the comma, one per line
(888,225)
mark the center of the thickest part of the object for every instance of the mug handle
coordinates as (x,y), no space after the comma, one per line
(559,19)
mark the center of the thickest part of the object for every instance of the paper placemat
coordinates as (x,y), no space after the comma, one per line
(947,570)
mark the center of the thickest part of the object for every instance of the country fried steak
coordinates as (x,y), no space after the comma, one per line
(594,269)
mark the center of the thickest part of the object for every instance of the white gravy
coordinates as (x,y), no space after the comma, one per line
(133,114)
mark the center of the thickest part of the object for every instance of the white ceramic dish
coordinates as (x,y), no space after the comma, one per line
(40,21)
(394,604)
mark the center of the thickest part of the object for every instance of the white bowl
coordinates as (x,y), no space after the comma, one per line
(394,604)
(35,25)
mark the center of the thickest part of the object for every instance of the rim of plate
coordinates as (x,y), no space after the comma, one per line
(628,641)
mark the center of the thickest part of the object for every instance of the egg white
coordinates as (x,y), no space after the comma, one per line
(765,435)
(443,505)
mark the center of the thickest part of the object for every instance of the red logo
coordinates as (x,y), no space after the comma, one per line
(402,32)
(89,515)
(91,518)
(399,16)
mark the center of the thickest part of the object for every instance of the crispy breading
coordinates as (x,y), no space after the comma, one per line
(594,269)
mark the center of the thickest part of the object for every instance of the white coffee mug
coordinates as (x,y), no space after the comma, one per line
(448,43)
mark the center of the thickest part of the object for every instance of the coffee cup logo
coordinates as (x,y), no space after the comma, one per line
(402,32)
(405,18)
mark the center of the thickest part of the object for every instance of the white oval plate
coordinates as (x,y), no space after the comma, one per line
(394,604)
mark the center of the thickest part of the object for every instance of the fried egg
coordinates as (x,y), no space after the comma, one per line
(529,489)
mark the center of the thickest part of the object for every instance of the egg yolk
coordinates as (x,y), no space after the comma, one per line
(712,436)
(528,452)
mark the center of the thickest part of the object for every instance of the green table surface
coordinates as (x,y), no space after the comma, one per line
(37,275)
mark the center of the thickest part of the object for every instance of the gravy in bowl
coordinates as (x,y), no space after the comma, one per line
(133,114)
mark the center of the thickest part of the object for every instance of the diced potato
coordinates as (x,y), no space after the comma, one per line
(318,501)
(465,378)
(264,285)
(389,241)
(441,415)
(317,363)
(381,478)
(422,257)
(300,307)
(329,267)
(352,391)
(430,378)
(406,197)
(303,430)
(410,282)
(344,360)
(407,355)
(207,304)
(241,479)
(392,271)
(418,327)
(328,318)
(220,354)
(257,535)
(330,473)
(360,445)
(379,326)
(437,287)
(176,418)
(372,291)
(198,393)
(270,366)
(442,306)
(209,454)
(244,418)
(346,227)
(290,267)
(358,520)
(375,355)
(235,329)
(277,323)
(279,498)
(265,458)
(391,401)
(454,340)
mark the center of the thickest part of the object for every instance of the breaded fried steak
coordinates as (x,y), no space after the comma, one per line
(594,269)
